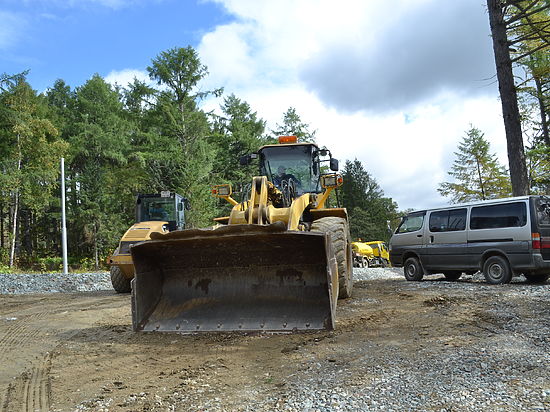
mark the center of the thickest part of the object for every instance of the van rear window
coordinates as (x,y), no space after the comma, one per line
(499,216)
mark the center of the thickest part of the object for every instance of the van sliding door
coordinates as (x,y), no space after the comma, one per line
(446,243)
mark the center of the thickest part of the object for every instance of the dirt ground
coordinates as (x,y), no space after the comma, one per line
(69,352)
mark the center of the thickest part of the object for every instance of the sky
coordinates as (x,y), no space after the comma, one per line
(395,84)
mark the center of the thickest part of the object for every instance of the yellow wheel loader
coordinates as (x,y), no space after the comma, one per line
(277,263)
(155,213)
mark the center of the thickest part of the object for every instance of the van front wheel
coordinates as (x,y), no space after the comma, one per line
(413,269)
(497,270)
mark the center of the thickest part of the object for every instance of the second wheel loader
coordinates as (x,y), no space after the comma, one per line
(277,263)
(155,213)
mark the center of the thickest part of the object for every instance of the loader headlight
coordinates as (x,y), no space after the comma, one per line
(332,180)
(222,190)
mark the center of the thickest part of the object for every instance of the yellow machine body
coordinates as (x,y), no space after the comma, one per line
(379,249)
(362,249)
(370,254)
(139,232)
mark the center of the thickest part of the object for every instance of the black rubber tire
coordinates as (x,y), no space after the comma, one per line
(413,269)
(497,270)
(451,276)
(120,283)
(338,229)
(536,277)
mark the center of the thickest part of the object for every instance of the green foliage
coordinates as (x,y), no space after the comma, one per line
(538,162)
(118,142)
(477,174)
(293,126)
(369,210)
(237,133)
(529,43)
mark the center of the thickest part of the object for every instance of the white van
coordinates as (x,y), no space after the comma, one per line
(501,237)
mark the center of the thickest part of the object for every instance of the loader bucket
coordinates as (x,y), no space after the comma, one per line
(235,278)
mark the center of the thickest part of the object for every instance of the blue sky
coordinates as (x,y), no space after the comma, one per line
(395,84)
(74,40)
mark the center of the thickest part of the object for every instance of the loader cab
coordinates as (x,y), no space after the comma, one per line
(295,164)
(165,207)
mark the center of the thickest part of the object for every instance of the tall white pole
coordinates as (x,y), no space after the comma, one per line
(63,223)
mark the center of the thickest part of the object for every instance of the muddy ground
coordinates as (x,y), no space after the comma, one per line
(77,351)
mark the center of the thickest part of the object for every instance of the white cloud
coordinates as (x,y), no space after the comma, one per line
(417,58)
(127,76)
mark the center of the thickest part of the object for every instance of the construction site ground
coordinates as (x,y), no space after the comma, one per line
(431,345)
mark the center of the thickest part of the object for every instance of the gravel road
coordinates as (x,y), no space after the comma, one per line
(422,346)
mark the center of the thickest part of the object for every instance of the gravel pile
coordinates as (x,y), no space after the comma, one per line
(54,282)
(88,282)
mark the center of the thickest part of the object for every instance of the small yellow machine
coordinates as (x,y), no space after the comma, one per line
(370,254)
(155,213)
(362,254)
(277,263)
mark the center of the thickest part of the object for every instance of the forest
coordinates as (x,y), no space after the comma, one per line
(118,141)
(143,138)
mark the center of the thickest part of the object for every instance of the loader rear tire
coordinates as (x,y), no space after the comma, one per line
(120,283)
(338,229)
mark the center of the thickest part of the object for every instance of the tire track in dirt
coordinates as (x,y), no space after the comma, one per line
(36,388)
(18,333)
(31,390)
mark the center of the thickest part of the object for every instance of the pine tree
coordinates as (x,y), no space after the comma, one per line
(369,210)
(477,173)
(293,126)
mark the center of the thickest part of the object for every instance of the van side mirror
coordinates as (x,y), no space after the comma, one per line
(333,164)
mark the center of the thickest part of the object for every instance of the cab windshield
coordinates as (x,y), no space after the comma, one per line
(291,163)
(157,208)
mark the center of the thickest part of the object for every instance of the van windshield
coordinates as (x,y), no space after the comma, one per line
(542,207)
(411,223)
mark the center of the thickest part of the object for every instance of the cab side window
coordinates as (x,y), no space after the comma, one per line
(448,220)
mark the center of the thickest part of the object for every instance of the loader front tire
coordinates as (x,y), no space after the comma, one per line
(120,283)
(338,229)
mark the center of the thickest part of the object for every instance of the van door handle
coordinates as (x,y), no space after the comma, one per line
(418,235)
(431,238)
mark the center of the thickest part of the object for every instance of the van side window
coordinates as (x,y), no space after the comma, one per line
(448,220)
(411,223)
(499,216)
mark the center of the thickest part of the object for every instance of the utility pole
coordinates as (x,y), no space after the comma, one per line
(63,223)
